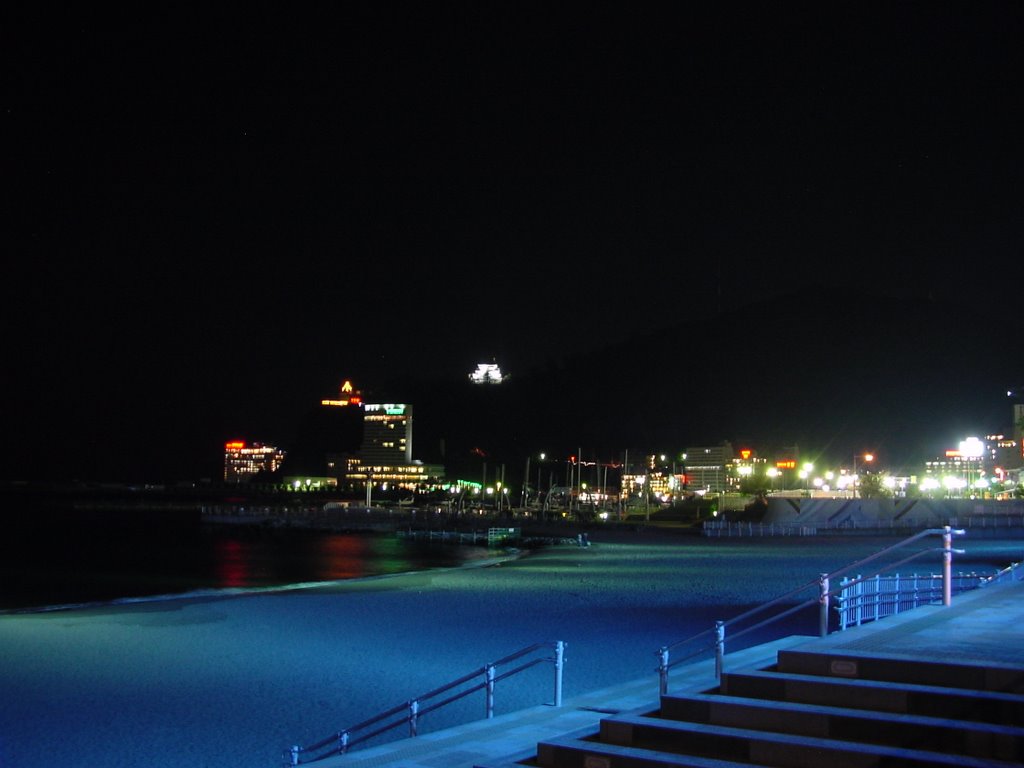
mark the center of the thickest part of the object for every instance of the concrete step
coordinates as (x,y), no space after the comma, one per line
(742,745)
(948,673)
(882,696)
(584,753)
(1001,742)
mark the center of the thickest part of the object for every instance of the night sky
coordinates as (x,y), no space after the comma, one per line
(218,215)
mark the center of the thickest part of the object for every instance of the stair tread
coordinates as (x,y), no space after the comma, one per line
(894,667)
(1003,696)
(822,745)
(642,755)
(967,663)
(865,726)
(850,713)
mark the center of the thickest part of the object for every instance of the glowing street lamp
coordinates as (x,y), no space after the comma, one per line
(540,463)
(868,458)
(805,473)
(954,485)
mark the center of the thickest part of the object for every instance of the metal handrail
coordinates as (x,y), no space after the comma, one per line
(1008,573)
(822,599)
(343,740)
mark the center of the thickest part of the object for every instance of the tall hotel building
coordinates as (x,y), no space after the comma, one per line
(385,452)
(387,434)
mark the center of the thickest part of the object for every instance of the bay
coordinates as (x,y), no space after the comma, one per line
(49,567)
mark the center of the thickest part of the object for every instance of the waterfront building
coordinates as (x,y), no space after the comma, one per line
(1003,453)
(710,467)
(959,469)
(387,434)
(655,481)
(383,458)
(386,431)
(309,483)
(746,465)
(409,476)
(242,461)
(347,395)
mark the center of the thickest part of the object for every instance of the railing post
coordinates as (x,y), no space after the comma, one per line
(719,648)
(877,598)
(559,660)
(859,612)
(841,604)
(414,708)
(947,565)
(823,605)
(489,670)
(663,671)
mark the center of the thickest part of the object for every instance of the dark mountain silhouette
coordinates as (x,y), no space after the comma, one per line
(829,371)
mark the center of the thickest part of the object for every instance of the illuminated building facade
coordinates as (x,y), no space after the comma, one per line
(653,485)
(242,462)
(407,476)
(1003,452)
(971,466)
(656,482)
(746,465)
(347,395)
(383,458)
(387,434)
(709,467)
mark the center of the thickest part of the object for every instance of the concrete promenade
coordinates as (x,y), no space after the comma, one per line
(984,626)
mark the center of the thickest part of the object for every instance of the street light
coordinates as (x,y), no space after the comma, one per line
(540,463)
(805,474)
(868,458)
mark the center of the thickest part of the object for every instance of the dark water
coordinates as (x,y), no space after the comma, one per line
(70,564)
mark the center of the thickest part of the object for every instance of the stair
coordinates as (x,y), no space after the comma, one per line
(818,708)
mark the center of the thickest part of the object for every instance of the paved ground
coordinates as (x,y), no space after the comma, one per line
(985,625)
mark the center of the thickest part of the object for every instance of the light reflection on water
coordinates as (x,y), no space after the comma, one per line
(60,569)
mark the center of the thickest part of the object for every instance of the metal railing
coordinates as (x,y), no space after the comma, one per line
(410,711)
(870,598)
(716,634)
(1012,572)
(727,528)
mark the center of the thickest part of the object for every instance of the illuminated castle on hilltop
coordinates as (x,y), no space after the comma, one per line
(487,373)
